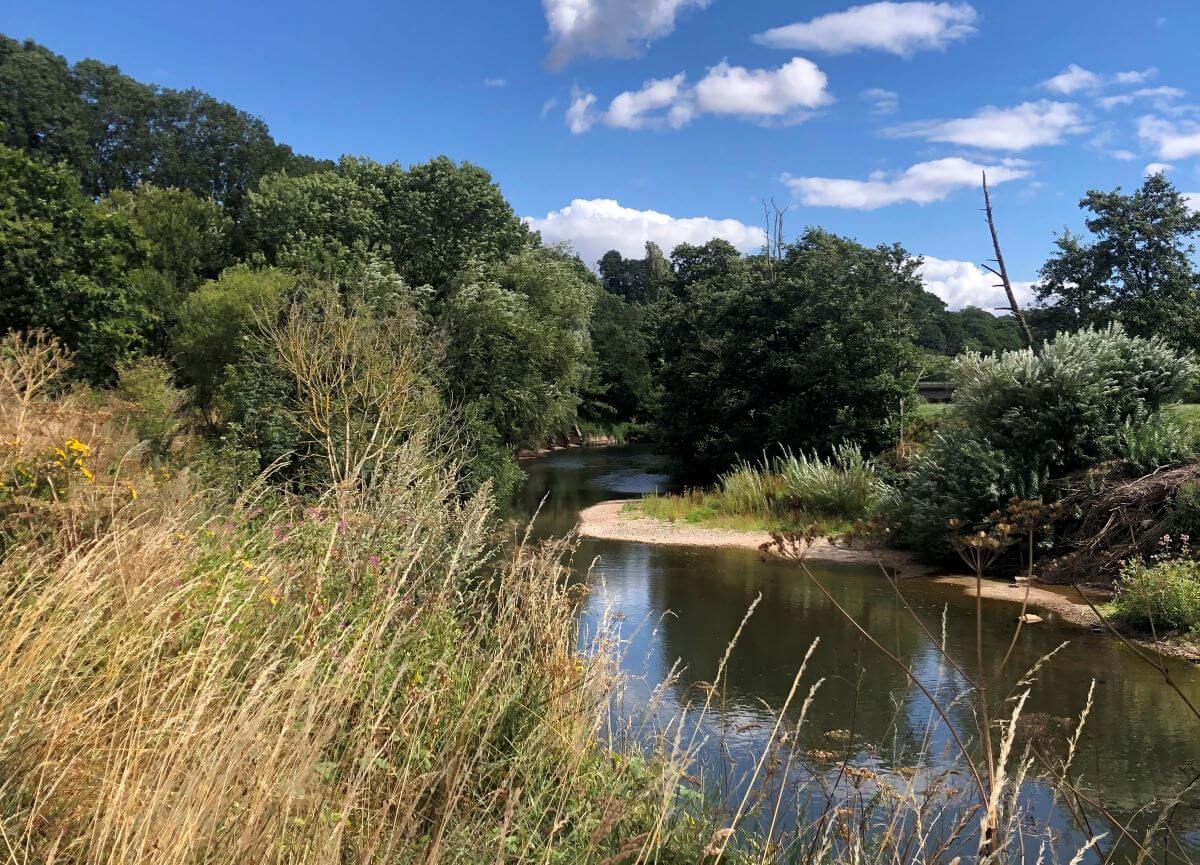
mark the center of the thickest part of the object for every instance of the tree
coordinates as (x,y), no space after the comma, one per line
(189,241)
(117,132)
(67,265)
(620,387)
(809,352)
(214,321)
(1137,269)
(517,343)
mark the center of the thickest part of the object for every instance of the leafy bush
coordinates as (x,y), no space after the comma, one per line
(1028,418)
(962,475)
(1184,511)
(1163,595)
(1065,408)
(846,485)
(1150,444)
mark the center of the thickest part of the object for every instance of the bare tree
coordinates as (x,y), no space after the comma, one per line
(1002,272)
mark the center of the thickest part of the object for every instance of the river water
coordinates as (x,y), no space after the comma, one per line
(678,608)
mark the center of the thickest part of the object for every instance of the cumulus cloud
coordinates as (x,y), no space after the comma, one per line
(961,283)
(609,28)
(897,28)
(922,183)
(1030,124)
(882,102)
(787,93)
(594,226)
(1170,140)
(1158,168)
(633,109)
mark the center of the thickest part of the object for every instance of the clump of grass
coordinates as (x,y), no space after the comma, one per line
(786,493)
(845,485)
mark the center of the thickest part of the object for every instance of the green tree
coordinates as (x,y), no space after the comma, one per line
(216,319)
(516,350)
(620,387)
(67,265)
(117,132)
(811,350)
(1137,269)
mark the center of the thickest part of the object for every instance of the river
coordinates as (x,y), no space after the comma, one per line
(678,608)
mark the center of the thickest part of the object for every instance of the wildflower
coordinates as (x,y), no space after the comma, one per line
(133,493)
(274,600)
(86,472)
(76,446)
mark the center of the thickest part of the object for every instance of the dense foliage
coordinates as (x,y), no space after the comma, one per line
(116,133)
(1024,419)
(807,350)
(71,266)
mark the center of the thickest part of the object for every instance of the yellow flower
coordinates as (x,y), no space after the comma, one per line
(78,447)
(274,600)
(91,478)
(132,490)
(62,454)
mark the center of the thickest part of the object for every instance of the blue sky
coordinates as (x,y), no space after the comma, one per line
(609,122)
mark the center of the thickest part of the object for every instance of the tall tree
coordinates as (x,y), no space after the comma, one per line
(1137,269)
(67,265)
(812,350)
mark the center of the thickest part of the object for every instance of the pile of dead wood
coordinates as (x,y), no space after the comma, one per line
(1108,519)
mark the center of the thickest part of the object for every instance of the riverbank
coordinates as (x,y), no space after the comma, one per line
(623,520)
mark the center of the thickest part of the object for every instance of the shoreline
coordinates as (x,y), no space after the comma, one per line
(610,521)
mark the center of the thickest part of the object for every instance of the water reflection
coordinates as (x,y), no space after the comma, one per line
(680,607)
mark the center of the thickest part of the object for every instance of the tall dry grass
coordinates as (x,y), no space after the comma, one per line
(359,677)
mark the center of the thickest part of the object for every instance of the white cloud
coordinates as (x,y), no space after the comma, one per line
(1193,201)
(1171,140)
(882,102)
(609,28)
(1071,80)
(762,92)
(579,114)
(634,109)
(1030,124)
(495,82)
(594,226)
(1075,79)
(549,105)
(961,283)
(922,183)
(1161,97)
(786,94)
(898,28)
(1158,168)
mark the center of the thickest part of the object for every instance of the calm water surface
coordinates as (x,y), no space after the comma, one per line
(678,608)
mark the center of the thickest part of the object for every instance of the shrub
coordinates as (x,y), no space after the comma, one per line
(156,401)
(1064,408)
(846,485)
(1184,511)
(1163,595)
(963,476)
(1154,443)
